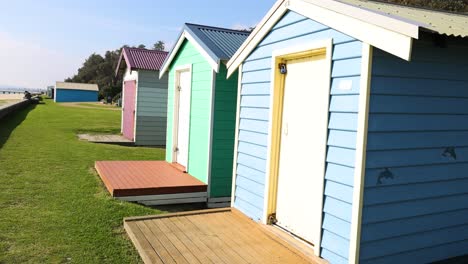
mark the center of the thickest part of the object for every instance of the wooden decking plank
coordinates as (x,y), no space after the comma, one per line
(145,249)
(256,247)
(195,238)
(171,235)
(280,243)
(209,227)
(284,253)
(173,251)
(293,242)
(133,178)
(190,244)
(194,212)
(243,247)
(221,249)
(210,236)
(211,242)
(251,229)
(155,243)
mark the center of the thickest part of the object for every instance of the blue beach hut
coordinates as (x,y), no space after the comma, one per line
(67,92)
(352,129)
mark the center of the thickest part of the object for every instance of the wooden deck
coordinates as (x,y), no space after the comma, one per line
(150,182)
(210,236)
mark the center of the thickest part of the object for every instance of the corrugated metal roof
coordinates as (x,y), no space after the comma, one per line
(444,23)
(142,59)
(76,86)
(222,42)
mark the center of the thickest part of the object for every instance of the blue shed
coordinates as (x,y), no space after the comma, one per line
(352,129)
(67,92)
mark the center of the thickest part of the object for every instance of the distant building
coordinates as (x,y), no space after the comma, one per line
(75,92)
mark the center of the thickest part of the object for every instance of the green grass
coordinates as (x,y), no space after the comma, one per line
(53,207)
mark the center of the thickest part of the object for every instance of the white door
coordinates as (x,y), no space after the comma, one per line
(303,147)
(183,118)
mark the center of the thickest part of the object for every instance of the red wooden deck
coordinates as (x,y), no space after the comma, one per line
(137,178)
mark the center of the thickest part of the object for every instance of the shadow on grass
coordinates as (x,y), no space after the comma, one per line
(10,122)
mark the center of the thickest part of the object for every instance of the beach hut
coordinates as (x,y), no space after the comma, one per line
(67,92)
(352,129)
(144,96)
(201,108)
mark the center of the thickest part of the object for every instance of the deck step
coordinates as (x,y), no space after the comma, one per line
(164,199)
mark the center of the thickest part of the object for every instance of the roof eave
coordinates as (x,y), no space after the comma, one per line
(123,57)
(328,13)
(188,34)
(167,62)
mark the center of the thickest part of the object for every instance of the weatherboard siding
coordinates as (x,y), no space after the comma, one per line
(200,109)
(294,29)
(68,96)
(224,126)
(151,112)
(418,208)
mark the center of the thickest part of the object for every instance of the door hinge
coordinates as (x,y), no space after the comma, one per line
(176,149)
(283,68)
(179,88)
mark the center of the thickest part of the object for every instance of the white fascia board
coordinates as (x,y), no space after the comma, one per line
(402,26)
(273,16)
(172,55)
(185,35)
(389,34)
(390,41)
(361,150)
(213,63)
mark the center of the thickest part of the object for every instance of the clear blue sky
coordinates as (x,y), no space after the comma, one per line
(44,41)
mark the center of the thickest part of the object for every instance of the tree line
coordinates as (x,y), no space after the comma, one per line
(100,70)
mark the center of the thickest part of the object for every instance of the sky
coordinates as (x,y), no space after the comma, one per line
(48,40)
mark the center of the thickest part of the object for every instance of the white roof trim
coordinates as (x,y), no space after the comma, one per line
(273,16)
(403,26)
(76,86)
(387,33)
(186,35)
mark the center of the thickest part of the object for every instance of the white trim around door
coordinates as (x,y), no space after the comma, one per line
(175,121)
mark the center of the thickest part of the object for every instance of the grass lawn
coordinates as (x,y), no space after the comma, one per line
(53,207)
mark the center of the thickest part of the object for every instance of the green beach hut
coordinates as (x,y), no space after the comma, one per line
(202,105)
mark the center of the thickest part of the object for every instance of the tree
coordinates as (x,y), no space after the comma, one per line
(141,46)
(100,70)
(160,45)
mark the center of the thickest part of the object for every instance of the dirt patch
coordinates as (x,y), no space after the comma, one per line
(91,106)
